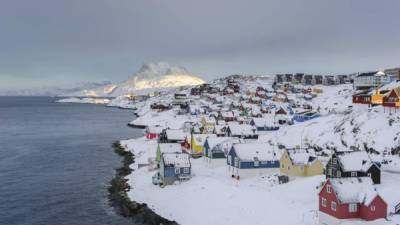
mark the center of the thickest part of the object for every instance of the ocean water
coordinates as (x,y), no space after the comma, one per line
(56,161)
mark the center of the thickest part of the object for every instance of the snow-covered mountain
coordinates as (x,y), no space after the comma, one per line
(150,76)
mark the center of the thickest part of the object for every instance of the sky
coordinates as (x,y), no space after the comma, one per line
(63,42)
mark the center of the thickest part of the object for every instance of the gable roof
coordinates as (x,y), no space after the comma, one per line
(242,129)
(169,147)
(248,151)
(354,190)
(176,159)
(201,138)
(355,161)
(301,157)
(178,134)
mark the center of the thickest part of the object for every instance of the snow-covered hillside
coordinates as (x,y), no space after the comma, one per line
(151,76)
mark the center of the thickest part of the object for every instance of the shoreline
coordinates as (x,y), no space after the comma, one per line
(136,212)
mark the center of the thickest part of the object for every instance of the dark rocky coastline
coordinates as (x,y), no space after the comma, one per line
(137,212)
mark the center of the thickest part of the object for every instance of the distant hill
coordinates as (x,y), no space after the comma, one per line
(150,76)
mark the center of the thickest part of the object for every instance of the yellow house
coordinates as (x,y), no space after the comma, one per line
(299,162)
(208,124)
(197,143)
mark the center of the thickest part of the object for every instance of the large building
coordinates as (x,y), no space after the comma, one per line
(369,80)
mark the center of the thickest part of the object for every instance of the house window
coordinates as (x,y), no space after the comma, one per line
(328,188)
(330,172)
(177,170)
(334,161)
(372,208)
(323,202)
(283,166)
(338,174)
(352,207)
(353,174)
(333,206)
(256,162)
(236,162)
(186,170)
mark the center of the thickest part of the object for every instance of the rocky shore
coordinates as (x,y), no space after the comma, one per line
(137,212)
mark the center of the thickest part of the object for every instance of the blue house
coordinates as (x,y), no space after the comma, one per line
(265,124)
(252,159)
(304,116)
(174,167)
(215,150)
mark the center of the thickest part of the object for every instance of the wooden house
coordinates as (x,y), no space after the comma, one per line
(392,99)
(166,148)
(208,123)
(227,116)
(197,143)
(153,132)
(174,167)
(265,123)
(244,131)
(305,116)
(173,136)
(216,149)
(350,199)
(352,164)
(300,162)
(252,159)
(362,98)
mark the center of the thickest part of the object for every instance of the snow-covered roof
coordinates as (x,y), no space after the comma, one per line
(214,141)
(201,138)
(242,129)
(176,159)
(355,161)
(248,151)
(354,189)
(227,114)
(264,121)
(220,129)
(170,147)
(155,129)
(176,134)
(301,156)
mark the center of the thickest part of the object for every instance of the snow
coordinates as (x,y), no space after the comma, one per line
(242,129)
(176,159)
(248,151)
(301,156)
(170,147)
(355,161)
(354,190)
(213,197)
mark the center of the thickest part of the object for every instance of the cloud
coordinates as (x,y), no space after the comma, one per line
(108,40)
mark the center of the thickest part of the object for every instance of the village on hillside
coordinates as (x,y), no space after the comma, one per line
(289,149)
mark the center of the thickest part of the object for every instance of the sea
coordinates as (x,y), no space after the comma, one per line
(56,161)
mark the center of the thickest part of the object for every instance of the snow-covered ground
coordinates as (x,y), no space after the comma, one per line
(212,197)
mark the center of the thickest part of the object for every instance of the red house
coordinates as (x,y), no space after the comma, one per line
(392,99)
(363,98)
(153,132)
(350,199)
(280,111)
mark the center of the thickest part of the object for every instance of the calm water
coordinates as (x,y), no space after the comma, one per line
(56,161)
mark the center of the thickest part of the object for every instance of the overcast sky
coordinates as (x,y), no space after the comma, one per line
(59,42)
